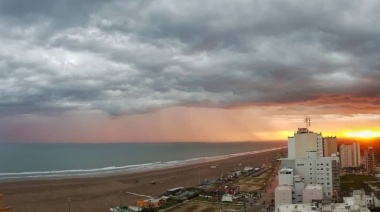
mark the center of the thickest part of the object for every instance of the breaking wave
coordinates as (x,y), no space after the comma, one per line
(118,169)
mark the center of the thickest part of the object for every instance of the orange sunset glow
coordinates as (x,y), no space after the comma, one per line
(187,124)
(364,134)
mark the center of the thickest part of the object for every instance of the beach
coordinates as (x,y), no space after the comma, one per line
(101,193)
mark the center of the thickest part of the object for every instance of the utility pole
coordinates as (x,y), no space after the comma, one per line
(69,200)
(120,192)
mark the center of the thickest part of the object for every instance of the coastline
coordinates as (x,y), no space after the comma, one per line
(101,192)
(114,170)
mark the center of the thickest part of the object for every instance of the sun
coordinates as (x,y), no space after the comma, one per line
(366,134)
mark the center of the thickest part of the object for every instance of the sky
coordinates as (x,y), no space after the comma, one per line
(175,70)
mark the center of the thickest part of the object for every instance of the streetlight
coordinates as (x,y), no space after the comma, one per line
(69,200)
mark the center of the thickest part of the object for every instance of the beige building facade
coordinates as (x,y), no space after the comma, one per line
(349,155)
(302,142)
(330,146)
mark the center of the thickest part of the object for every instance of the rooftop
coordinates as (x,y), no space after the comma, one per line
(284,187)
(313,187)
(287,169)
(334,207)
(176,189)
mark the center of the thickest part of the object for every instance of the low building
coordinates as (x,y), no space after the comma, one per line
(373,187)
(357,203)
(234,174)
(227,198)
(333,207)
(283,194)
(311,193)
(151,203)
(173,191)
(126,209)
(375,196)
(247,169)
(222,190)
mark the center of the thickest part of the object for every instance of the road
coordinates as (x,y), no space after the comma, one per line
(267,196)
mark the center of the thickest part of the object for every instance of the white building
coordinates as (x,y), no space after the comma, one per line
(349,155)
(312,193)
(323,171)
(285,176)
(357,203)
(331,207)
(283,194)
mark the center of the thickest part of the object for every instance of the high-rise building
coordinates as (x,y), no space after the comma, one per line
(350,155)
(303,141)
(370,160)
(329,146)
(311,169)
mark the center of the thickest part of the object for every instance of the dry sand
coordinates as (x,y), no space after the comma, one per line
(100,193)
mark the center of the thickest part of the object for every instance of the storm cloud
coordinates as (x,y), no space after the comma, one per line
(124,57)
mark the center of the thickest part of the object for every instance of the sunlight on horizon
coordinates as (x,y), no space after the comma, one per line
(365,134)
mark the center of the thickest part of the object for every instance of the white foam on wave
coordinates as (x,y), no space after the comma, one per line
(118,169)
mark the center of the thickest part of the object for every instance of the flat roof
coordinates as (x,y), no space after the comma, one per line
(284,187)
(313,187)
(287,169)
(175,189)
(335,207)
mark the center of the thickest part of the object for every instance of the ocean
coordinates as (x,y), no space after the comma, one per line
(41,161)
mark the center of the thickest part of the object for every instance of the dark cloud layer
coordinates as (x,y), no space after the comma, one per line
(136,56)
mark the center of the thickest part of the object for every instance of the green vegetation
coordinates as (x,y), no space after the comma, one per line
(354,182)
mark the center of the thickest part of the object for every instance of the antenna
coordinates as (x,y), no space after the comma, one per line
(307,122)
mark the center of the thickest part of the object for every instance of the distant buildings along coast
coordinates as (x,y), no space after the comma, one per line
(309,177)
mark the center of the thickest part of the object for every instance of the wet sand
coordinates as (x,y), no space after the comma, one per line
(100,193)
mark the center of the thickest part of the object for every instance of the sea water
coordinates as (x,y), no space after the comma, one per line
(40,161)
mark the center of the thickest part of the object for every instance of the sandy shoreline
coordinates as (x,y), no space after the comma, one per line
(99,193)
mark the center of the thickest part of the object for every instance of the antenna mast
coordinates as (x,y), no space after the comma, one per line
(307,122)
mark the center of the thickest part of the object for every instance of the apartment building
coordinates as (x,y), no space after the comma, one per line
(349,155)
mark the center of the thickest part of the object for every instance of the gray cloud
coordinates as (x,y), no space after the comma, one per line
(135,56)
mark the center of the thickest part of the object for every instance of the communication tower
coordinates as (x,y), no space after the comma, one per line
(307,122)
